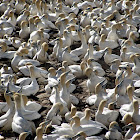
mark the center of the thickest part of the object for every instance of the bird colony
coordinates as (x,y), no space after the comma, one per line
(70,69)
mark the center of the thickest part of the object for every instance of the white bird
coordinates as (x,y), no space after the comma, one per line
(109,57)
(52,79)
(24,32)
(64,94)
(86,120)
(33,88)
(105,117)
(103,43)
(114,132)
(25,61)
(42,55)
(93,79)
(23,17)
(128,108)
(135,59)
(81,51)
(17,58)
(31,105)
(69,115)
(19,5)
(54,113)
(91,63)
(112,35)
(6,119)
(132,130)
(20,124)
(98,96)
(47,22)
(71,58)
(28,114)
(135,114)
(41,136)
(39,72)
(88,129)
(5,54)
(55,98)
(23,81)
(6,70)
(76,70)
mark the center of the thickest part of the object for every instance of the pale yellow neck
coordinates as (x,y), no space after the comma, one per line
(87,115)
(77,122)
(39,133)
(73,112)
